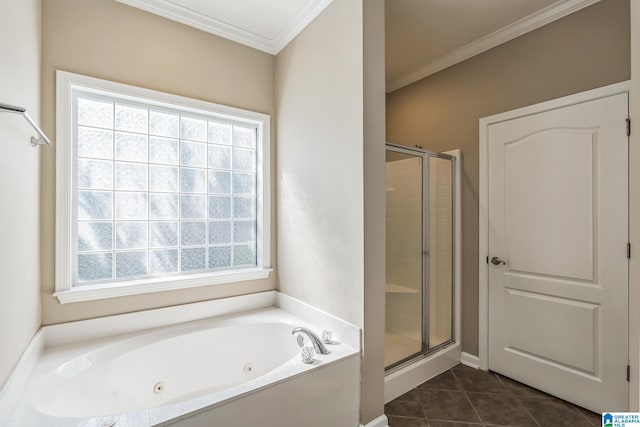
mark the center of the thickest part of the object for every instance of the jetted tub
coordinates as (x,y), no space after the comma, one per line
(165,376)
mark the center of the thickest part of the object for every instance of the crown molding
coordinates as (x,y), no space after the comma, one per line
(544,16)
(273,46)
(298,23)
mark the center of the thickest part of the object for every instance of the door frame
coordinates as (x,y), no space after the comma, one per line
(634,212)
(483,196)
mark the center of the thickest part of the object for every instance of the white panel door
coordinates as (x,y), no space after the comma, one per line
(558,219)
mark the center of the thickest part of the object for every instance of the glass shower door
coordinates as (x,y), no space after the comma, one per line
(420,239)
(441,238)
(404,260)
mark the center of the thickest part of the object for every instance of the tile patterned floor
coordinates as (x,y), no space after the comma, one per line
(466,397)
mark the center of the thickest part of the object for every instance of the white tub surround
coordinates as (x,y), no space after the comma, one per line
(121,324)
(345,332)
(12,390)
(137,370)
(325,397)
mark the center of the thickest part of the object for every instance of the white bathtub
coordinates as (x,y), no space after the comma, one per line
(170,375)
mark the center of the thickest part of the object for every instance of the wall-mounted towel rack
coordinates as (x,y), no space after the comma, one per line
(42,140)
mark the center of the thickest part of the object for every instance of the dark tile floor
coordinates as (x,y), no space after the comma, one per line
(465,397)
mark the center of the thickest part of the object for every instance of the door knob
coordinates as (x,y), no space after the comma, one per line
(497,261)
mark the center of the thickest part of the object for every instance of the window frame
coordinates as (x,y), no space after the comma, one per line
(66,215)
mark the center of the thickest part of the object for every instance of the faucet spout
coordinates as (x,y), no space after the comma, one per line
(318,346)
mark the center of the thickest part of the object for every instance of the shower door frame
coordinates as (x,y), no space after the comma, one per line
(426,155)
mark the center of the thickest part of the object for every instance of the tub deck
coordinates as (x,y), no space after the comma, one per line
(249,356)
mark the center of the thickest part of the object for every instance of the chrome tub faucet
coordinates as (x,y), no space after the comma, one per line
(318,346)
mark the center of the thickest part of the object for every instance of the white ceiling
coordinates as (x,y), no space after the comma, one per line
(267,25)
(426,36)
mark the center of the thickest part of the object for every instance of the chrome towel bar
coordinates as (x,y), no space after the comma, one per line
(42,140)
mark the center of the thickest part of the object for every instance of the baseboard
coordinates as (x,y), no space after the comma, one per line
(15,385)
(470,360)
(381,421)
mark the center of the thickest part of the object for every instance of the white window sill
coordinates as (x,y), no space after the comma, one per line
(135,287)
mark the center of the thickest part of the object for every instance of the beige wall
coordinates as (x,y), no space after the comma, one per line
(108,40)
(320,173)
(330,103)
(585,50)
(19,178)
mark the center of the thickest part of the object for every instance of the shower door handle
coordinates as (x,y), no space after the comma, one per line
(497,261)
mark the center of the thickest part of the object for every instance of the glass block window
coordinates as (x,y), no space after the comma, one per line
(160,190)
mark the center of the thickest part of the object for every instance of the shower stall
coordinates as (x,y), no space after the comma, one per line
(421,228)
